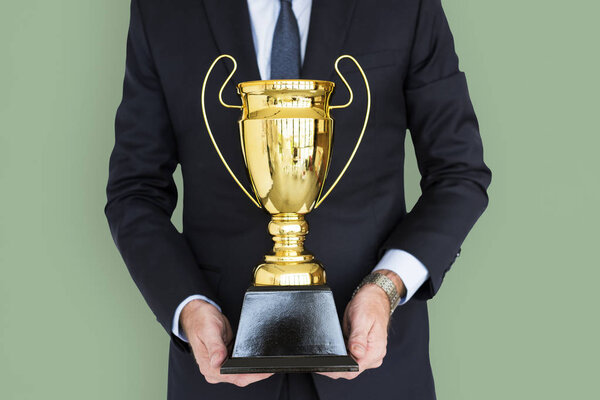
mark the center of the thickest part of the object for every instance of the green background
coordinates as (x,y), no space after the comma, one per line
(518,315)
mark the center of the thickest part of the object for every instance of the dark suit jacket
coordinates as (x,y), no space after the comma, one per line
(407,51)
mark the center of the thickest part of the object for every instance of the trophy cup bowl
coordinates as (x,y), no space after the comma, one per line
(288,322)
(286,136)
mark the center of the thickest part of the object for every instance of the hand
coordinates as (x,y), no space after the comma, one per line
(365,325)
(210,335)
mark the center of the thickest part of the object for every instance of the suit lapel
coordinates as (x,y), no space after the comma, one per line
(329,22)
(229,22)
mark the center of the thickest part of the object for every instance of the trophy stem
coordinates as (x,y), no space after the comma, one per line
(288,230)
(289,264)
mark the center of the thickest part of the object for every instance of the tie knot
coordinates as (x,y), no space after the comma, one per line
(286,1)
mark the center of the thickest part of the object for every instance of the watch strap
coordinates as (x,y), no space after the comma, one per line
(386,284)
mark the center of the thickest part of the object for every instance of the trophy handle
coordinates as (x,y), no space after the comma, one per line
(364,127)
(228,106)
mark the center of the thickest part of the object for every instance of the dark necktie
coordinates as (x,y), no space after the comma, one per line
(285,53)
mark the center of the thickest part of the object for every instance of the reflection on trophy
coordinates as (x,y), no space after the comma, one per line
(288,321)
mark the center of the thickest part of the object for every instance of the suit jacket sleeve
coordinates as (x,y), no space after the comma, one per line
(141,192)
(445,133)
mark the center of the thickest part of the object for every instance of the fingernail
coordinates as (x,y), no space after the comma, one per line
(357,348)
(213,359)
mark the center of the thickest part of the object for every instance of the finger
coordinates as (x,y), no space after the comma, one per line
(212,374)
(376,349)
(346,323)
(247,379)
(201,355)
(203,361)
(218,357)
(209,348)
(340,375)
(359,332)
(235,379)
(227,333)
(215,347)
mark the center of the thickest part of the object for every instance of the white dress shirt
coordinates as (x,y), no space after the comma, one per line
(263,18)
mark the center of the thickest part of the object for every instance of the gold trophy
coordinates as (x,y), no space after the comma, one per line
(288,321)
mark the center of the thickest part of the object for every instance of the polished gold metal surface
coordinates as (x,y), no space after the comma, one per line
(289,264)
(286,137)
(286,134)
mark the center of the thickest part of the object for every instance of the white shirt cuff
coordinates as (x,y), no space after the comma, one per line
(412,271)
(175,328)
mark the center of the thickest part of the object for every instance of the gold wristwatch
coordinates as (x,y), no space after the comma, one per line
(385,283)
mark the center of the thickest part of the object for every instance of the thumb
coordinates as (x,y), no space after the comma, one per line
(217,351)
(357,341)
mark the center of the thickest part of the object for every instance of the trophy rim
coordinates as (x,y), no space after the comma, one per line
(273,82)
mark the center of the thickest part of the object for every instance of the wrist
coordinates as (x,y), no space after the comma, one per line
(376,294)
(192,309)
(382,283)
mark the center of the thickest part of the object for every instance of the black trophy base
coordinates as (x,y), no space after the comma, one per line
(249,365)
(289,329)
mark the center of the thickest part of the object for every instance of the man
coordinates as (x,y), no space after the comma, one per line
(195,281)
